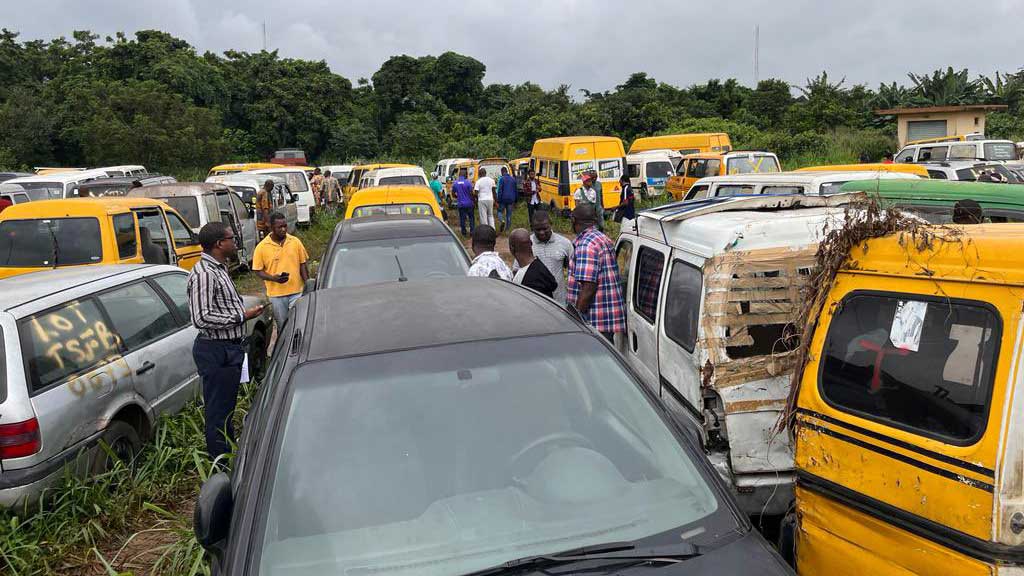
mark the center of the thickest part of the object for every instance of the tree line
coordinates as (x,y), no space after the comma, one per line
(153,99)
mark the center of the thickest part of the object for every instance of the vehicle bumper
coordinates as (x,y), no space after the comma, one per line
(766,493)
(21,485)
(28,488)
(302,213)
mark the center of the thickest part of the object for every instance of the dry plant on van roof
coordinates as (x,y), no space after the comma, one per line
(862,221)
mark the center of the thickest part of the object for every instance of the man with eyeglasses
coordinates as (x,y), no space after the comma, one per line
(219,350)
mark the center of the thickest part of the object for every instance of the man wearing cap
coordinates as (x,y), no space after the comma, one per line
(588,194)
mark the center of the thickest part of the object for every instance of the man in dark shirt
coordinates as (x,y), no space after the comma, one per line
(532,272)
(462,189)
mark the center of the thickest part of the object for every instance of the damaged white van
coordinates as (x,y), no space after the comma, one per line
(713,288)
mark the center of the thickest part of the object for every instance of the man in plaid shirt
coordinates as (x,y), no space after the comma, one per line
(594,286)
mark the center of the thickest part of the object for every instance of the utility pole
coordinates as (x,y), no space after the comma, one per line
(264,34)
(757,43)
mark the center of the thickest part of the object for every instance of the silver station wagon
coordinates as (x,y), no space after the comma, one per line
(91,353)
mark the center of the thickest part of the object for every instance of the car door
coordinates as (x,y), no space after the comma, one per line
(146,325)
(679,323)
(247,225)
(642,303)
(186,245)
(172,286)
(152,219)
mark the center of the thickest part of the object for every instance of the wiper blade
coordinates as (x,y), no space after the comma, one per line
(614,552)
(56,247)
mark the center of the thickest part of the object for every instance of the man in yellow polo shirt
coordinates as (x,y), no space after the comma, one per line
(280,260)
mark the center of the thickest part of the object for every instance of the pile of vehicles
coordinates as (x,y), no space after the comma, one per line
(521,439)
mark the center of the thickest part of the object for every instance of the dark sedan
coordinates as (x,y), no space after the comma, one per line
(397,434)
(391,248)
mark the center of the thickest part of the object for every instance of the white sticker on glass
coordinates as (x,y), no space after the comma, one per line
(907,324)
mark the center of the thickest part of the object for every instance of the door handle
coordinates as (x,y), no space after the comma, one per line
(632,336)
(146,367)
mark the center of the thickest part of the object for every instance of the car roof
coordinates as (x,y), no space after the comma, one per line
(723,154)
(100,182)
(712,226)
(24,289)
(396,171)
(178,189)
(77,207)
(951,190)
(408,315)
(955,142)
(389,226)
(61,177)
(801,177)
(983,253)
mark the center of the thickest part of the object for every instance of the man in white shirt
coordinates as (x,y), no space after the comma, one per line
(487,263)
(485,198)
(551,248)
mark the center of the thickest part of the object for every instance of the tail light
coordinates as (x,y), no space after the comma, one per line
(19,439)
(565,202)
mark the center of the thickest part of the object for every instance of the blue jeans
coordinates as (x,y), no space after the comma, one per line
(466,213)
(219,363)
(279,306)
(505,214)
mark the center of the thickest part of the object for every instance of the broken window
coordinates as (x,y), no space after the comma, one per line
(649,268)
(916,363)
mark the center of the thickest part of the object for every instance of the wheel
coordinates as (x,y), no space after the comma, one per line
(257,354)
(122,442)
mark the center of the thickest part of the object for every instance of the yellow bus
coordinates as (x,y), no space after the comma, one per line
(560,163)
(916,169)
(684,143)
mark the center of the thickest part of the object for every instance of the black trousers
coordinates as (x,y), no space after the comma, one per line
(219,363)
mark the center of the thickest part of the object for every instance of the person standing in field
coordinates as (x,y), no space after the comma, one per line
(626,210)
(506,198)
(485,198)
(532,272)
(330,189)
(554,250)
(280,261)
(264,207)
(436,187)
(488,263)
(217,312)
(463,191)
(594,285)
(531,189)
(316,184)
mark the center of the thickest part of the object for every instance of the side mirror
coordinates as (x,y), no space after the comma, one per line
(293,198)
(211,519)
(310,286)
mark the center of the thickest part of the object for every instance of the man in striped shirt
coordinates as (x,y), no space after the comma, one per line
(219,350)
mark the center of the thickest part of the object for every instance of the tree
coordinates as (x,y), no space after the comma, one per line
(945,88)
(457,81)
(768,102)
(415,135)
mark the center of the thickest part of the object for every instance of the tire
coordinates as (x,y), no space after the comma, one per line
(123,440)
(257,354)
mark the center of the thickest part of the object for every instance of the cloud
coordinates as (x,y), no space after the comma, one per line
(592,44)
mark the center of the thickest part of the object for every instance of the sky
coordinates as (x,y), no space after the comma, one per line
(587,44)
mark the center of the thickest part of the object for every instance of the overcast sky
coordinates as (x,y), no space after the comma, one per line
(592,44)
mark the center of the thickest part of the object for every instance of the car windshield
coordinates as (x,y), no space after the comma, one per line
(659,169)
(374,261)
(456,458)
(49,243)
(296,180)
(380,209)
(36,190)
(1000,151)
(411,180)
(751,165)
(187,206)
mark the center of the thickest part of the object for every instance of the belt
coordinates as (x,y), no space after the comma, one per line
(238,341)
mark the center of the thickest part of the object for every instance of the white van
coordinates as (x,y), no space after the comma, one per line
(649,171)
(340,172)
(1003,150)
(51,186)
(298,183)
(712,293)
(414,176)
(444,167)
(125,170)
(809,183)
(246,185)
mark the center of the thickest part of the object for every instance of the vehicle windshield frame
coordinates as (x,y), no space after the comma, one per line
(32,189)
(94,258)
(721,526)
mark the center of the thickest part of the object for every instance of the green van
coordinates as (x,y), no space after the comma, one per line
(933,200)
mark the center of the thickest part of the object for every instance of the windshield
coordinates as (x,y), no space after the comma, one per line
(1000,151)
(659,169)
(751,165)
(47,243)
(36,190)
(374,261)
(393,209)
(296,181)
(452,459)
(403,181)
(187,206)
